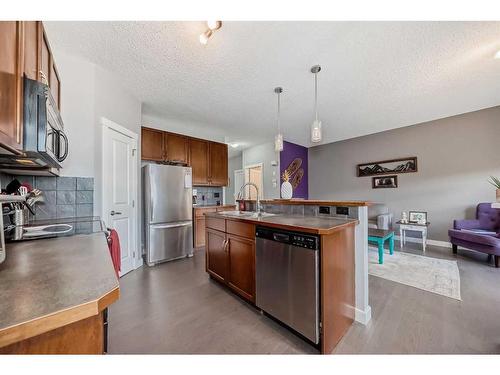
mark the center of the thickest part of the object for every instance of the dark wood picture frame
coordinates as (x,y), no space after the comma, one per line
(407,165)
(394,185)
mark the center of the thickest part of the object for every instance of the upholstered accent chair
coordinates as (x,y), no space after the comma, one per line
(487,219)
(379,217)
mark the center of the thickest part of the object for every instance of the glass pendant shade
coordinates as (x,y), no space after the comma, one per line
(278,138)
(278,142)
(316,131)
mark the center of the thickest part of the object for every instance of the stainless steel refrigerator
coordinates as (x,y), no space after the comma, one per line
(168,210)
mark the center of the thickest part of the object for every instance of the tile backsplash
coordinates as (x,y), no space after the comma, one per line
(64,196)
(208,195)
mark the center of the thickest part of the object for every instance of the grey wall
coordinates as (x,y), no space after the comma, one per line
(233,164)
(265,154)
(455,157)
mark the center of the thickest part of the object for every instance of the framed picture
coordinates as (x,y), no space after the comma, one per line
(419,217)
(405,165)
(385,182)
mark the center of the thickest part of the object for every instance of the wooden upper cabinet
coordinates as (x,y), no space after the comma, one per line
(218,164)
(11,88)
(32,38)
(176,148)
(55,83)
(45,61)
(199,161)
(152,145)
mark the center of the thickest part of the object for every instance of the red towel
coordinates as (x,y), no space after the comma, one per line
(114,250)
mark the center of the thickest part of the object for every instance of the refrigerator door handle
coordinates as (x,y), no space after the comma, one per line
(172,225)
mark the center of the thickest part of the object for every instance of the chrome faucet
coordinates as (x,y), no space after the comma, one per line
(257,211)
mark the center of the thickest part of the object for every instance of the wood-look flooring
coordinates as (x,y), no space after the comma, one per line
(175,308)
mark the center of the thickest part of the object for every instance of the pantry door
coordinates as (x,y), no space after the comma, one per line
(120,190)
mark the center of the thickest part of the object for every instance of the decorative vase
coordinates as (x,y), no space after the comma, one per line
(498,195)
(286,190)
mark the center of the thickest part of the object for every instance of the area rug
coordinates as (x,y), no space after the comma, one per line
(433,275)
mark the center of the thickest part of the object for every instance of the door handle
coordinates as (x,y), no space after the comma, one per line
(113,213)
(226,246)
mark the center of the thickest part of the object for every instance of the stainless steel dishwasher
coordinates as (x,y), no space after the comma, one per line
(287,279)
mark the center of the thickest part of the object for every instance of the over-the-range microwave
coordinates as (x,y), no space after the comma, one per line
(45,145)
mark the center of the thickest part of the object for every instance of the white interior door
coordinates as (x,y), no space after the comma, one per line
(120,191)
(239,181)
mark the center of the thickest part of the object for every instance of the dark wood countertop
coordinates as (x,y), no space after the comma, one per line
(313,202)
(299,223)
(50,283)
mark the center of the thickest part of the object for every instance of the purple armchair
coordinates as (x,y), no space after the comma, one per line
(487,218)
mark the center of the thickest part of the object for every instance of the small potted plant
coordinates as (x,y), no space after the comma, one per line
(495,181)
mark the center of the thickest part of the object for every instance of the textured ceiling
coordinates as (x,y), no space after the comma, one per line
(376,75)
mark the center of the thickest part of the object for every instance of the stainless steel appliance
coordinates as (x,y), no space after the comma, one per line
(168,225)
(45,145)
(287,279)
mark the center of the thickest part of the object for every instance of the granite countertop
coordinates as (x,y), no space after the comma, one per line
(299,223)
(46,284)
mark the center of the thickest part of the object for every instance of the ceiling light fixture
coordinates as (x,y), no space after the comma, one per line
(278,139)
(316,125)
(234,145)
(212,26)
(497,55)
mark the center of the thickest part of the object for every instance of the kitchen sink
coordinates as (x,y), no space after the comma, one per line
(251,214)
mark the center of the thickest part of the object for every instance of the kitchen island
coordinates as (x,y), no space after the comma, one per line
(231,260)
(54,294)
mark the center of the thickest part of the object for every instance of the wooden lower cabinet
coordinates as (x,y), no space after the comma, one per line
(86,336)
(230,258)
(241,276)
(216,255)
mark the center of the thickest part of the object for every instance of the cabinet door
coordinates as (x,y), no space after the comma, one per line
(199,231)
(11,69)
(31,49)
(55,83)
(216,254)
(152,147)
(242,266)
(45,58)
(177,148)
(199,161)
(218,164)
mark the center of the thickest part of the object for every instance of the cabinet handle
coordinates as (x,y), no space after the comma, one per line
(226,243)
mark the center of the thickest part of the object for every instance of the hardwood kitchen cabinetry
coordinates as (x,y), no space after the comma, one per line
(218,164)
(230,257)
(199,161)
(176,148)
(24,50)
(199,221)
(152,145)
(207,159)
(11,70)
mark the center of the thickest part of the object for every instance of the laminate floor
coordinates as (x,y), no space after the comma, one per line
(174,308)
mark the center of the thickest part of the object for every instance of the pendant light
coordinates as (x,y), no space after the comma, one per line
(278,139)
(316,125)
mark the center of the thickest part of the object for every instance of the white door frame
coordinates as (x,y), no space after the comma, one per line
(261,187)
(110,125)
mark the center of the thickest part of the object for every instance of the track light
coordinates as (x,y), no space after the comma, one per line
(205,36)
(212,26)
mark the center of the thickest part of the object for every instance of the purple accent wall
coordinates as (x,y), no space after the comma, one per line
(290,152)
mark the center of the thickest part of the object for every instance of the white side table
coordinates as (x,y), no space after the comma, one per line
(422,228)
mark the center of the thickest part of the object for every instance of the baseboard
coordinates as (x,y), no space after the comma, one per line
(361,316)
(429,241)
